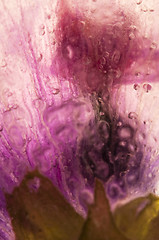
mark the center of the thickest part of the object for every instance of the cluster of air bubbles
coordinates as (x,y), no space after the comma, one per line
(93,153)
(108,151)
(146,87)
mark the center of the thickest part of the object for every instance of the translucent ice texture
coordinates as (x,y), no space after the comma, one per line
(79,97)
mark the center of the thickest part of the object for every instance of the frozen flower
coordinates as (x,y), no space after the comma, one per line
(78,99)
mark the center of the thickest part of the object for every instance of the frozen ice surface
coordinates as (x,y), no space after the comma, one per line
(79,98)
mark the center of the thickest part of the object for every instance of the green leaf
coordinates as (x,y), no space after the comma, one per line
(153,229)
(139,218)
(39,211)
(99,224)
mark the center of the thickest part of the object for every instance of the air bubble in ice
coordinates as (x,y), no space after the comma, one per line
(40,57)
(86,197)
(15,106)
(150,175)
(132,115)
(153,46)
(55,91)
(102,63)
(119,124)
(42,30)
(147,87)
(42,26)
(131,36)
(116,57)
(144,8)
(3,63)
(138,2)
(102,171)
(113,190)
(123,143)
(69,52)
(136,86)
(125,132)
(102,113)
(133,177)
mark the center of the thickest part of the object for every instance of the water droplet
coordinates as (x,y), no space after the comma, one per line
(138,2)
(136,86)
(132,115)
(147,87)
